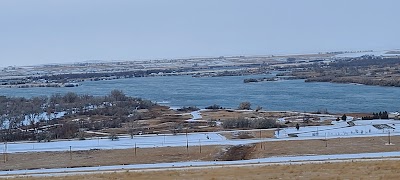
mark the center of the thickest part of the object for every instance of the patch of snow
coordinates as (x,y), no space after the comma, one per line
(196,115)
(41,116)
(281,120)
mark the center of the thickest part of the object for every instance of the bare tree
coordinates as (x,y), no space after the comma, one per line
(118,95)
(244,105)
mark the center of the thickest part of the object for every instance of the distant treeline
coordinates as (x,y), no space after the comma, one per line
(380,115)
(250,80)
(95,76)
(366,61)
(250,123)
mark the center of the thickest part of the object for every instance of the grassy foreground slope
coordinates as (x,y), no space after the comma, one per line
(387,169)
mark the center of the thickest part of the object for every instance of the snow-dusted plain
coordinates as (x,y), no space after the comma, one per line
(342,129)
(359,54)
(338,129)
(125,142)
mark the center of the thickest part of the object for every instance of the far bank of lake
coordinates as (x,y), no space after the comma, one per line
(295,95)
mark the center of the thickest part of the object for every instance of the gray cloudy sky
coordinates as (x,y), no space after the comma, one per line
(57,31)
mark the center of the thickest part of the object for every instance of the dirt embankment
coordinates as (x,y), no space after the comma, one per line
(264,133)
(240,152)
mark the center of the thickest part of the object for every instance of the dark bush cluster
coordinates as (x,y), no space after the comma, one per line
(250,123)
(380,115)
(214,107)
(189,108)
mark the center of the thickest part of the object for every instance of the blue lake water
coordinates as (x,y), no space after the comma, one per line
(230,91)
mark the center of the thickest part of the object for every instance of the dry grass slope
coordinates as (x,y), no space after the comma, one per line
(209,153)
(108,157)
(344,170)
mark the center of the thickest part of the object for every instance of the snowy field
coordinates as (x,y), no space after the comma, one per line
(342,129)
(125,142)
(359,54)
(339,129)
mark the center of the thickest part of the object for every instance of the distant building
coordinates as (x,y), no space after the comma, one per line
(394,115)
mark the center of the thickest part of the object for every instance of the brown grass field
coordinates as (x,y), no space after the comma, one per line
(331,146)
(108,157)
(209,153)
(384,170)
(233,114)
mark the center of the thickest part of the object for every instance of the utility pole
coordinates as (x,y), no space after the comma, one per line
(326,141)
(187,144)
(260,139)
(187,140)
(200,145)
(70,152)
(5,152)
(135,149)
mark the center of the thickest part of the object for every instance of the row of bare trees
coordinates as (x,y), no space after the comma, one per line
(23,118)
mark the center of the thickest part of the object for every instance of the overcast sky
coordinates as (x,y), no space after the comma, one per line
(58,31)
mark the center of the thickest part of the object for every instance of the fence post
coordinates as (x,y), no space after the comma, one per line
(200,145)
(5,152)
